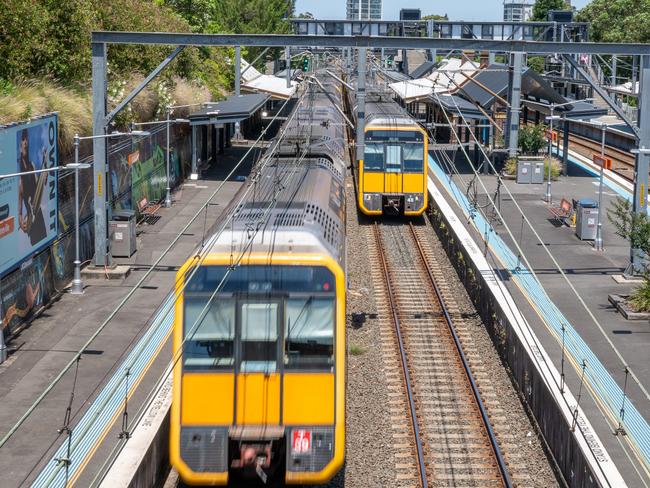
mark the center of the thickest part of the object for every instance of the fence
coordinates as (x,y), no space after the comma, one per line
(137,170)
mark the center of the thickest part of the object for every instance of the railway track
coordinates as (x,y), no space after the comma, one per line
(441,431)
(622,161)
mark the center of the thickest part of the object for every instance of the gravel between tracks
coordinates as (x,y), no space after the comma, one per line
(369,454)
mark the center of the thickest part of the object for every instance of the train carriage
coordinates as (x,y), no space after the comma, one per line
(392,177)
(259,390)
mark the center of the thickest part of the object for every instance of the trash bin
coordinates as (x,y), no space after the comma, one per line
(524,172)
(537,172)
(121,231)
(586,219)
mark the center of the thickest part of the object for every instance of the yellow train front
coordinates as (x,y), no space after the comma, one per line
(392,177)
(259,390)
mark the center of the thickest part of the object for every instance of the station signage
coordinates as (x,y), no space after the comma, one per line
(601,161)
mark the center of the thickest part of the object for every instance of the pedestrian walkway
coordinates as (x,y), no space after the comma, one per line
(41,351)
(550,305)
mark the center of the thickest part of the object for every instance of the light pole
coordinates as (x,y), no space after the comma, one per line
(552,117)
(77,285)
(167,122)
(598,242)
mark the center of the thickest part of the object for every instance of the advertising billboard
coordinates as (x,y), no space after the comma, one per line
(28,203)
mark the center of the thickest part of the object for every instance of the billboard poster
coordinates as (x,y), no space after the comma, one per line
(28,203)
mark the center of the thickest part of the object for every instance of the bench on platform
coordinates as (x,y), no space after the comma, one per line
(148,211)
(563,212)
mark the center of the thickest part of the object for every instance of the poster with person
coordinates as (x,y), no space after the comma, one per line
(28,201)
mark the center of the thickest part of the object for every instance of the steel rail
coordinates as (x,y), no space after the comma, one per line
(402,350)
(477,396)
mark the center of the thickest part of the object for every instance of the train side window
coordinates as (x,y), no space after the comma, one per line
(209,335)
(373,159)
(309,333)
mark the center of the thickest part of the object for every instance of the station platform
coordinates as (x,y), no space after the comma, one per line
(137,337)
(550,303)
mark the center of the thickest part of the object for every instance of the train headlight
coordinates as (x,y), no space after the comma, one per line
(372,201)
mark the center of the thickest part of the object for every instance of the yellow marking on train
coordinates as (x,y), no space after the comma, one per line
(201,389)
(308,398)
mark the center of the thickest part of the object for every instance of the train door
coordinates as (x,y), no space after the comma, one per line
(393,175)
(259,361)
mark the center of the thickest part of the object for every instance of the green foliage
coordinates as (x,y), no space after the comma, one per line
(435,17)
(542,7)
(640,297)
(632,226)
(510,168)
(618,20)
(635,228)
(357,350)
(556,168)
(532,138)
(51,38)
(536,63)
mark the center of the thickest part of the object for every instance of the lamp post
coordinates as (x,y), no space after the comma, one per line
(551,118)
(598,242)
(167,122)
(77,285)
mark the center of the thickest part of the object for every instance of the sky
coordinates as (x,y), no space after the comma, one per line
(486,10)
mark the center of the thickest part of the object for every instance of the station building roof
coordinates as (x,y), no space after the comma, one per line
(233,109)
(457,106)
(274,86)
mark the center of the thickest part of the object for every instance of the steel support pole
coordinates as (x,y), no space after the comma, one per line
(237,70)
(195,170)
(514,99)
(565,147)
(238,87)
(77,287)
(168,190)
(614,67)
(101,188)
(549,197)
(3,347)
(361,105)
(598,242)
(640,204)
(287,57)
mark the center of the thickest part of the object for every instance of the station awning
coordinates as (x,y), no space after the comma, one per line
(489,84)
(233,109)
(457,106)
(274,86)
(423,70)
(579,110)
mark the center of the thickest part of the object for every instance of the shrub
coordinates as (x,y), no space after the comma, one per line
(532,138)
(510,168)
(640,297)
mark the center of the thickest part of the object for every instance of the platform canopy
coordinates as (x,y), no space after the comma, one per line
(445,79)
(233,109)
(457,106)
(274,86)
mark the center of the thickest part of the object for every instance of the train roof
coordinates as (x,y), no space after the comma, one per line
(386,112)
(308,216)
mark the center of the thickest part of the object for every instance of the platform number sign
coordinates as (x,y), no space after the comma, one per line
(301,441)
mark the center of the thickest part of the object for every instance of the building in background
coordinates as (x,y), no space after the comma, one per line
(410,14)
(520,11)
(364,10)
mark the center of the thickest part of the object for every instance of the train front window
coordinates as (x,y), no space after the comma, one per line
(254,318)
(209,331)
(394,151)
(373,159)
(413,157)
(309,332)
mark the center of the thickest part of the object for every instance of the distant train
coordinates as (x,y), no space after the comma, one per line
(259,390)
(392,177)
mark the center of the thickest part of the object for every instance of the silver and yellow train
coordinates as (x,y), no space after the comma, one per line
(392,176)
(259,389)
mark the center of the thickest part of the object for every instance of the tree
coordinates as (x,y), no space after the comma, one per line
(542,8)
(617,20)
(435,17)
(635,228)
